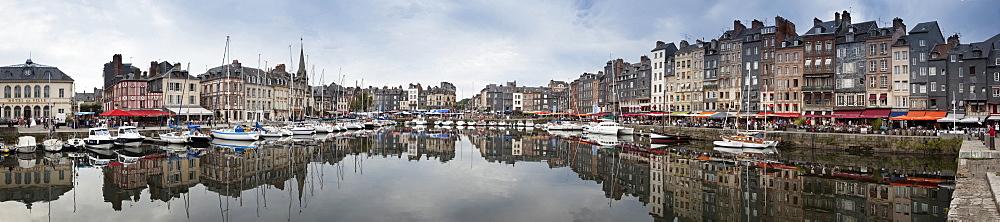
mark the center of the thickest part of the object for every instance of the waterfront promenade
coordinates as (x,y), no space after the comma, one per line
(977,184)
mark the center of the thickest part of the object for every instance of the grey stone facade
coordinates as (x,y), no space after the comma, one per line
(851,65)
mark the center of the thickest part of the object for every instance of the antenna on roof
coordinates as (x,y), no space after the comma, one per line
(686,36)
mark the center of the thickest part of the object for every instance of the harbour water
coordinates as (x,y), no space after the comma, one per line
(482,174)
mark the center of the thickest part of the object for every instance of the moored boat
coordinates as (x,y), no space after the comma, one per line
(128,136)
(52,145)
(99,138)
(668,138)
(240,132)
(26,144)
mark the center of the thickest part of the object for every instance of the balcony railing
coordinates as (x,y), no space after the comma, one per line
(816,88)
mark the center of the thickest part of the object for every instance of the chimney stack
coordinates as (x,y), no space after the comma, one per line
(846,18)
(953,40)
(644,59)
(116,61)
(659,43)
(816,21)
(897,24)
(756,24)
(738,27)
(236,63)
(280,67)
(836,17)
(154,68)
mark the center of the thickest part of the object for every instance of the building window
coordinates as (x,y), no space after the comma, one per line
(6,92)
(61,93)
(996,92)
(46,91)
(884,82)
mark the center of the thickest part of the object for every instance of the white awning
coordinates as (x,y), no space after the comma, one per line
(186,111)
(993,118)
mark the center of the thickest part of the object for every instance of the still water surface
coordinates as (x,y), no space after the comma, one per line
(471,175)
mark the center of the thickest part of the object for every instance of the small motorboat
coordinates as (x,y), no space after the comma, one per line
(52,145)
(174,138)
(99,138)
(6,149)
(129,136)
(26,144)
(270,131)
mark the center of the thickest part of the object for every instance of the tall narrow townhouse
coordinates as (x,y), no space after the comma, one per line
(608,98)
(818,66)
(922,39)
(771,38)
(751,66)
(788,76)
(710,78)
(993,70)
(851,65)
(687,77)
(967,77)
(633,87)
(731,67)
(661,67)
(879,80)
(901,73)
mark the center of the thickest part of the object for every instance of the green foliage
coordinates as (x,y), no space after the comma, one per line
(877,124)
(91,107)
(800,121)
(361,101)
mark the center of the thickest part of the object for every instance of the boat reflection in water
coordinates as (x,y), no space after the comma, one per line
(393,174)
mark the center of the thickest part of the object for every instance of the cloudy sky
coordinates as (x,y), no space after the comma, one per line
(393,42)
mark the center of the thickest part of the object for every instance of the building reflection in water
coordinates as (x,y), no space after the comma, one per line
(35,178)
(687,183)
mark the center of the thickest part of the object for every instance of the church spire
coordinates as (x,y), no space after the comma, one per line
(302,60)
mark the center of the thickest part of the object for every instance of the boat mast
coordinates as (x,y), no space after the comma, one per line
(219,83)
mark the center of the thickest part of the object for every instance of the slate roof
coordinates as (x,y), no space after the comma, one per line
(901,41)
(689,48)
(790,42)
(36,71)
(925,27)
(827,27)
(669,47)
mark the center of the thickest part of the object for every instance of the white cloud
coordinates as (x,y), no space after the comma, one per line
(397,42)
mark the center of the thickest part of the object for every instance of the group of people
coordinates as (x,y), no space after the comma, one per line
(29,122)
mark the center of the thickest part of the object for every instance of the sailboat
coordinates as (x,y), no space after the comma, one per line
(239,132)
(747,138)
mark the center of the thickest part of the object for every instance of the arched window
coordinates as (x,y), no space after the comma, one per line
(27,91)
(27,112)
(6,112)
(38,111)
(46,111)
(6,92)
(38,92)
(17,91)
(46,91)
(17,112)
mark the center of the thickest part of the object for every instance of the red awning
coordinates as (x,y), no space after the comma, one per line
(150,113)
(787,114)
(875,113)
(871,97)
(846,113)
(117,112)
(882,97)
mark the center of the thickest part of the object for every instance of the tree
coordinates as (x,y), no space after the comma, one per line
(361,102)
(91,107)
(461,105)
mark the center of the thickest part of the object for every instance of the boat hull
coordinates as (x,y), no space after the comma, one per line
(134,141)
(738,144)
(99,143)
(27,149)
(235,135)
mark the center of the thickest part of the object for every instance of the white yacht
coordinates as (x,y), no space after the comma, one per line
(564,126)
(609,127)
(99,138)
(302,129)
(747,139)
(128,136)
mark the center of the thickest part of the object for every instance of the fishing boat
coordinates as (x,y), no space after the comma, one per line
(128,136)
(612,128)
(240,132)
(747,139)
(668,138)
(52,145)
(26,144)
(99,138)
